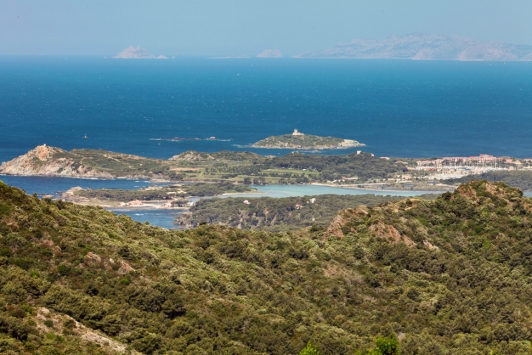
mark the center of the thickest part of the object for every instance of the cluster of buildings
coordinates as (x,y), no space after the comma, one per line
(481,161)
(459,166)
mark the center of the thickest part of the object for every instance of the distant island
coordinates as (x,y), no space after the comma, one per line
(418,46)
(137,53)
(178,139)
(270,53)
(298,140)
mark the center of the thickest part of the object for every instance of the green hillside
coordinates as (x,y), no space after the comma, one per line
(275,214)
(521,179)
(450,276)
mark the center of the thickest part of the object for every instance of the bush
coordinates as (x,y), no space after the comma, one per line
(309,350)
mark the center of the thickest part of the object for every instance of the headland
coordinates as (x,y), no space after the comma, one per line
(359,170)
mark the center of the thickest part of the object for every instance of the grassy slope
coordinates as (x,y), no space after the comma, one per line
(119,164)
(450,276)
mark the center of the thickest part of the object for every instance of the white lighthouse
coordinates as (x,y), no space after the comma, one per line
(297,133)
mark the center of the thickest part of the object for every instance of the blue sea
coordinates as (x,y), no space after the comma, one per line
(398,108)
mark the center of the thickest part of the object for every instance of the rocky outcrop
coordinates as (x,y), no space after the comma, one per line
(50,322)
(391,234)
(50,161)
(191,155)
(418,46)
(343,218)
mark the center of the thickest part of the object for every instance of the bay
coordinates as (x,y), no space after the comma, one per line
(398,108)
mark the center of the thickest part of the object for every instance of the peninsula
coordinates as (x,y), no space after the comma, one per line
(361,170)
(86,163)
(298,140)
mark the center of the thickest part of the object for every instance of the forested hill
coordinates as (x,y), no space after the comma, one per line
(450,276)
(275,214)
(520,179)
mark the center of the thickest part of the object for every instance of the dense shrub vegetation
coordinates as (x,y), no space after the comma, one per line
(520,179)
(243,167)
(364,166)
(276,214)
(450,276)
(164,193)
(296,168)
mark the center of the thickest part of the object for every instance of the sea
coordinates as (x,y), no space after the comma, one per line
(397,108)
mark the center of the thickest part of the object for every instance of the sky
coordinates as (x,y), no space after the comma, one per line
(245,27)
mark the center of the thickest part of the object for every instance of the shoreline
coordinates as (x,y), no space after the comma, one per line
(375,189)
(55,176)
(106,205)
(450,188)
(303,148)
(235,193)
(158,204)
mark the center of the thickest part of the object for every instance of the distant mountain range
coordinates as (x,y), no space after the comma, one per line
(137,53)
(417,46)
(270,53)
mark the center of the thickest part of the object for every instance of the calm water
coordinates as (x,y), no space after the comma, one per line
(302,190)
(398,108)
(54,185)
(159,217)
(164,217)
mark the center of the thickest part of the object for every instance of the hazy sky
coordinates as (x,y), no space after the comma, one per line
(231,27)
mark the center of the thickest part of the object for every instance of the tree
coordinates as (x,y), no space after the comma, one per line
(309,350)
(385,346)
(388,346)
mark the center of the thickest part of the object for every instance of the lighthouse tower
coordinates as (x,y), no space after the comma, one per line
(297,133)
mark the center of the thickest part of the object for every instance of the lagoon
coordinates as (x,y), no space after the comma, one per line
(308,190)
(156,217)
(164,218)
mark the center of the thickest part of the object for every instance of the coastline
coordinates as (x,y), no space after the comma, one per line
(369,188)
(240,193)
(272,191)
(303,148)
(130,178)
(299,140)
(154,205)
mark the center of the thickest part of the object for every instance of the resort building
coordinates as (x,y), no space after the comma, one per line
(482,159)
